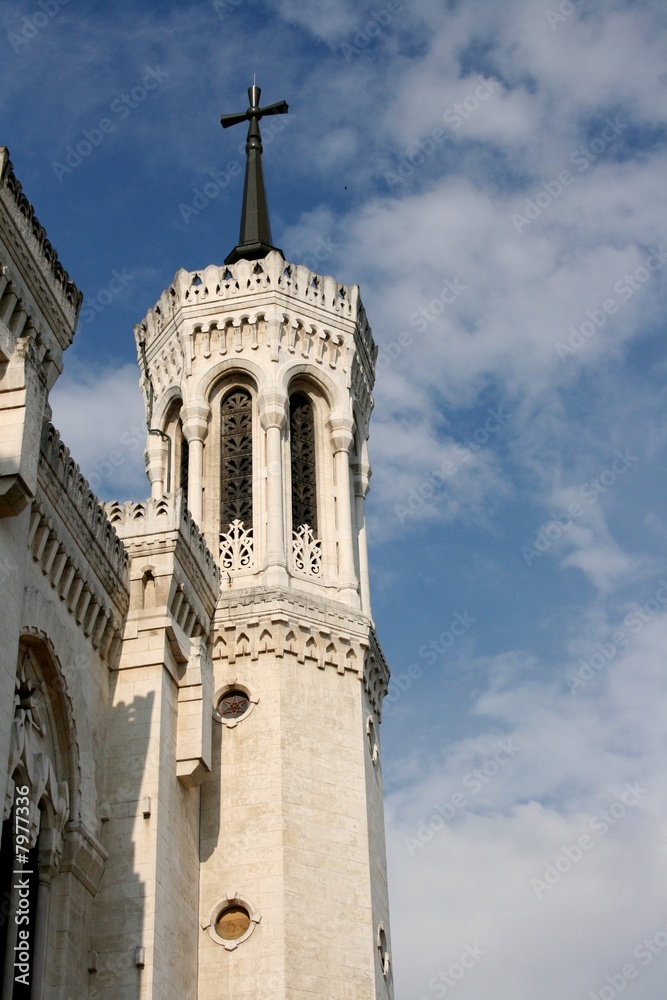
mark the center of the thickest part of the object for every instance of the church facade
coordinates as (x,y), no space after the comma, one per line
(191,686)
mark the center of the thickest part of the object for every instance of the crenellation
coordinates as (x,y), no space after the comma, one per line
(242,281)
(81,501)
(160,523)
(13,195)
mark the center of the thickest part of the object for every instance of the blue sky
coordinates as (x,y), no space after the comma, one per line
(493,176)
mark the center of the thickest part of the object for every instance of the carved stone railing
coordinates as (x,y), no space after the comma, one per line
(236,547)
(306,551)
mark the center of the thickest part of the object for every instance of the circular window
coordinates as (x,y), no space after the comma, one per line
(383,948)
(233,705)
(232,923)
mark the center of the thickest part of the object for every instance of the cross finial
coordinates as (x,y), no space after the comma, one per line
(255,234)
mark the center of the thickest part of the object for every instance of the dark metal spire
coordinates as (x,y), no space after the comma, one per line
(255,234)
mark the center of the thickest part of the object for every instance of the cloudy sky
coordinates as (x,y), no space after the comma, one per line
(493,176)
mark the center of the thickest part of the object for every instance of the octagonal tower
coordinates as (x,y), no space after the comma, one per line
(257,377)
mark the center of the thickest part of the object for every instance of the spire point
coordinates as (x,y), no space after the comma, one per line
(255,231)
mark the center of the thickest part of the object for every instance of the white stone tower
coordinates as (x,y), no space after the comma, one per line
(257,377)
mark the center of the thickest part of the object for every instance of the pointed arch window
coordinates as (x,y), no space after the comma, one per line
(184,462)
(306,546)
(236,507)
(176,472)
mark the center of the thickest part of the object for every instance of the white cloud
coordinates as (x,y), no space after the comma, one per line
(571,759)
(100,416)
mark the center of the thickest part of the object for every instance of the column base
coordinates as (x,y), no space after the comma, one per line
(276,576)
(349,595)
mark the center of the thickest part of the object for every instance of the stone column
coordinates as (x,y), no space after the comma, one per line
(156,465)
(342,438)
(273,418)
(195,418)
(362,475)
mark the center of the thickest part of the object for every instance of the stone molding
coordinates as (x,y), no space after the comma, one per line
(83,856)
(77,549)
(39,622)
(73,581)
(323,633)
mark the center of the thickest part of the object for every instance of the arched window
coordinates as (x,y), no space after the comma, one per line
(302,444)
(184,462)
(176,474)
(236,510)
(306,547)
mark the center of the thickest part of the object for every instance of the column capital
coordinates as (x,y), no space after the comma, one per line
(342,428)
(272,409)
(195,417)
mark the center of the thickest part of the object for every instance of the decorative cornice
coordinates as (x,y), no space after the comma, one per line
(12,195)
(243,285)
(258,621)
(56,455)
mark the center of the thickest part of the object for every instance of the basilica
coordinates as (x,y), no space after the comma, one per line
(191,686)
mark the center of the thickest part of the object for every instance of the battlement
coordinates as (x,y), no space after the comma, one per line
(22,214)
(83,501)
(244,285)
(139,522)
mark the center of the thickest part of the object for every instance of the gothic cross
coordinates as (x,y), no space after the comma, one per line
(255,234)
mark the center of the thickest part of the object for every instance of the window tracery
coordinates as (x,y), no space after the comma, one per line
(236,505)
(306,546)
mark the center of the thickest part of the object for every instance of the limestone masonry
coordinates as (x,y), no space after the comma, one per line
(191,686)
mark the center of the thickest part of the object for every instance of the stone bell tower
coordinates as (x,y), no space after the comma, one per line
(257,377)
